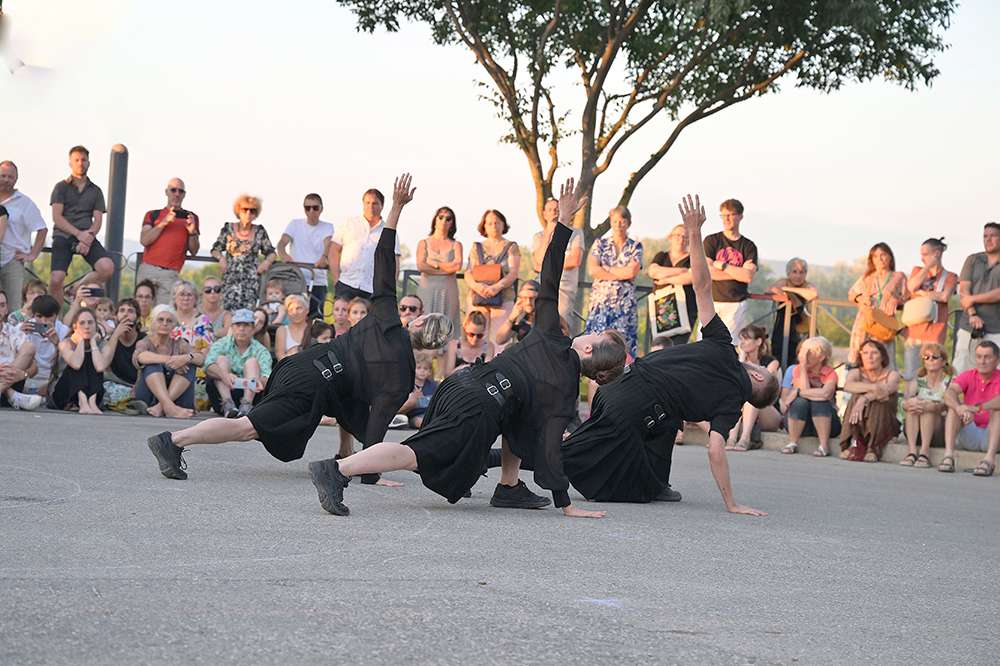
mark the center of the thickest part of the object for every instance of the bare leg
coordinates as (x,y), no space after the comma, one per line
(795,428)
(92,403)
(82,403)
(510,464)
(952,424)
(823,425)
(157,385)
(381,457)
(178,384)
(913,427)
(749,420)
(928,424)
(993,435)
(215,431)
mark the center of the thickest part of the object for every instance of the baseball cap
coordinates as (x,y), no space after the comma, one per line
(243,316)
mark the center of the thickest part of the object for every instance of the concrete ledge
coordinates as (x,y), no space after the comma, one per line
(893,453)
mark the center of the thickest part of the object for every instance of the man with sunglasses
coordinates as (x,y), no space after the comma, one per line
(310,239)
(168,235)
(410,307)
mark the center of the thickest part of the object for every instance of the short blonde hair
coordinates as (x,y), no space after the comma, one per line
(248,201)
(818,344)
(296,298)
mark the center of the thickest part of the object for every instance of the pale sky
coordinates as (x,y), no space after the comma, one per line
(280,99)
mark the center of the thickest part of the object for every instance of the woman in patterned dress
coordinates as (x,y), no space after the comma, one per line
(238,248)
(614,262)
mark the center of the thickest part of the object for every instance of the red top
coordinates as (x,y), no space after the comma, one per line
(933,331)
(976,391)
(168,251)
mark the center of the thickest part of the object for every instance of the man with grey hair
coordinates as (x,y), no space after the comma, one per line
(168,235)
(17,247)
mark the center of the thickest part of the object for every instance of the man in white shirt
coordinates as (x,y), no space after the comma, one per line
(310,239)
(17,248)
(570,281)
(352,249)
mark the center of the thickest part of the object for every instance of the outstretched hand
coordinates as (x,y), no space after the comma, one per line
(692,212)
(747,510)
(402,193)
(571,201)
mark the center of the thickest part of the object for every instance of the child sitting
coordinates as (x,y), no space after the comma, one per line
(274,297)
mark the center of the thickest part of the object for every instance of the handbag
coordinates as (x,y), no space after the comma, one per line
(922,309)
(880,326)
(488,273)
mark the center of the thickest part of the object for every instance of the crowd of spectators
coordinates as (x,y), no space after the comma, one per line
(172,349)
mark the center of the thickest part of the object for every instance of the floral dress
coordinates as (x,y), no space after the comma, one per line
(199,334)
(240,282)
(612,302)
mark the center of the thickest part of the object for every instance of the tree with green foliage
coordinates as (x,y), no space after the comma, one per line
(653,68)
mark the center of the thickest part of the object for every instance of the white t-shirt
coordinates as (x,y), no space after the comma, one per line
(570,276)
(45,351)
(11,339)
(357,258)
(307,246)
(23,220)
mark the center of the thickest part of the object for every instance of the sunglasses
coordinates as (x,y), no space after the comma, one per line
(312,207)
(932,357)
(177,190)
(252,211)
(213,290)
(477,336)
(408,308)
(446,218)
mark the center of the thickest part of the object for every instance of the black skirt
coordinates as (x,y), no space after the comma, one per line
(461,424)
(291,407)
(615,456)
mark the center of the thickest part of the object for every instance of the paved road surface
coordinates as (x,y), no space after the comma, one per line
(104,561)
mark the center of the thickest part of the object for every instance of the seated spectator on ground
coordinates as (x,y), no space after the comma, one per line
(145,294)
(87,295)
(211,306)
(192,326)
(472,346)
(410,307)
(341,309)
(358,310)
(45,331)
(238,366)
(123,370)
(260,332)
(274,304)
(320,332)
(973,420)
(423,388)
(168,235)
(293,337)
(80,386)
(923,407)
(31,290)
(167,365)
(808,397)
(795,291)
(930,287)
(17,363)
(521,318)
(870,418)
(745,435)
(882,288)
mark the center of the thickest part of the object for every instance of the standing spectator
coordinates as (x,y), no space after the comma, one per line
(411,306)
(745,435)
(81,384)
(733,264)
(870,418)
(882,288)
(211,306)
(973,421)
(979,292)
(239,249)
(293,337)
(145,295)
(930,287)
(17,247)
(352,249)
(238,366)
(44,330)
(168,365)
(31,290)
(191,326)
(808,397)
(615,260)
(494,264)
(17,354)
(923,404)
(439,259)
(77,213)
(310,240)
(672,267)
(791,294)
(476,347)
(570,282)
(168,235)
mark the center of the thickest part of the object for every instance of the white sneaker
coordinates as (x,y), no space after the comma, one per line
(25,401)
(399,421)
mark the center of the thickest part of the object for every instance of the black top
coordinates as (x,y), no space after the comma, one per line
(545,373)
(663,259)
(702,381)
(78,207)
(734,253)
(121,363)
(3,212)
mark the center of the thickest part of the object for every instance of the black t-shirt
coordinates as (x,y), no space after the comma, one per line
(734,253)
(121,363)
(701,381)
(663,259)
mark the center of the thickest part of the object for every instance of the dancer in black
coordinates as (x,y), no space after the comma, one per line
(361,378)
(528,393)
(623,452)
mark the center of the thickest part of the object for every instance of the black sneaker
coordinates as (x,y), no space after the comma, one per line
(517,497)
(668,494)
(168,456)
(330,484)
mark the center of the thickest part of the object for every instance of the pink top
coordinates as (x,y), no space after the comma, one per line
(976,391)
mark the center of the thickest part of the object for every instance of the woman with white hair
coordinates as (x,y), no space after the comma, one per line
(808,397)
(293,337)
(791,294)
(191,325)
(167,367)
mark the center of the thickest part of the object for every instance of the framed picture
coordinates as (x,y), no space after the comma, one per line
(668,312)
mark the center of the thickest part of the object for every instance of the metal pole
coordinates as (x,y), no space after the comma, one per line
(113,236)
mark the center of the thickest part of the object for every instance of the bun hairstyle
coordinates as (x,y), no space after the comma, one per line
(936,244)
(435,332)
(607,359)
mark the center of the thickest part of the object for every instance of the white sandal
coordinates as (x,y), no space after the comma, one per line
(791,447)
(821,452)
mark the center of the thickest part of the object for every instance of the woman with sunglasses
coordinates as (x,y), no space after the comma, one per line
(476,347)
(439,259)
(239,249)
(922,409)
(211,306)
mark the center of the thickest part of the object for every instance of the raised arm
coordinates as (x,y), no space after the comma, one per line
(693,214)
(547,303)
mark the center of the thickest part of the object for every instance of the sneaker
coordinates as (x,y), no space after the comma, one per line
(25,401)
(668,494)
(517,497)
(244,409)
(168,456)
(229,409)
(330,484)
(399,421)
